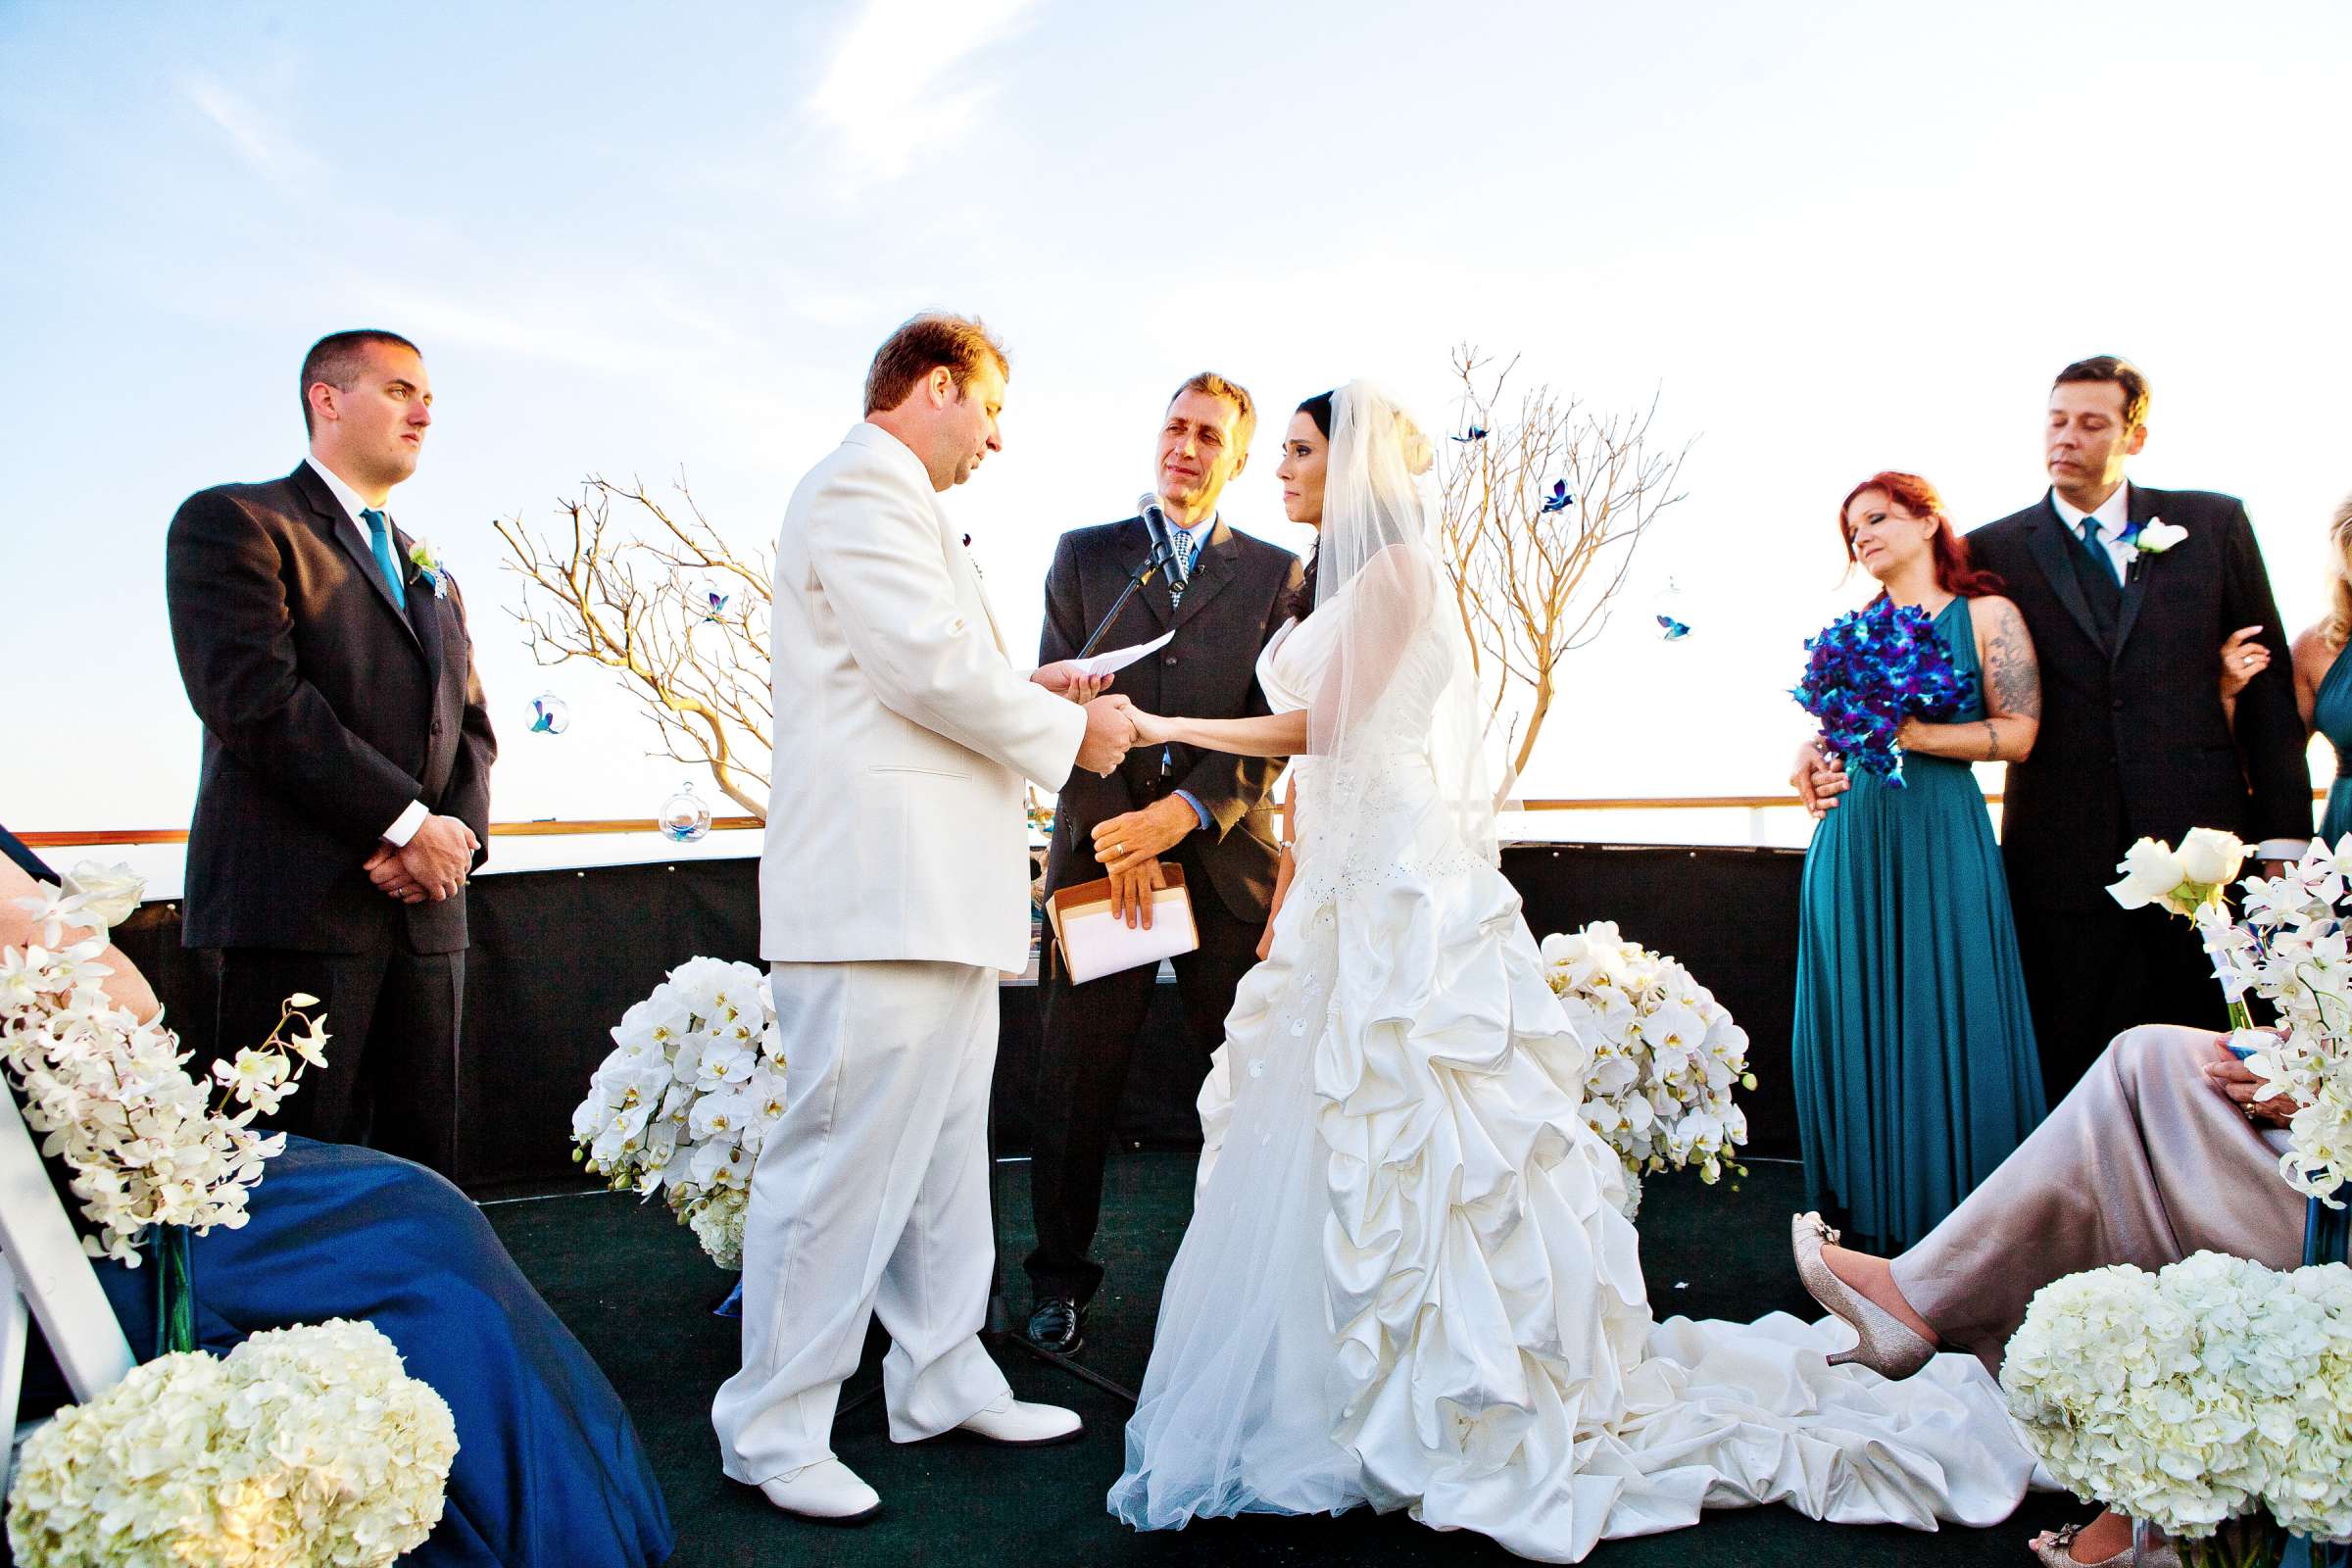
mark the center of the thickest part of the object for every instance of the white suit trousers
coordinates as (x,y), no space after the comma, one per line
(870,1196)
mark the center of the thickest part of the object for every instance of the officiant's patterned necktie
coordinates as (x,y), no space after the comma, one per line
(1188,547)
(380,527)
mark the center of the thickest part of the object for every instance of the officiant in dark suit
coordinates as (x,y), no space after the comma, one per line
(345,791)
(1206,813)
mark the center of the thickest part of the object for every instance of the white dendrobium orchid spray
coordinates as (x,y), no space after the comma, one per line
(1665,1055)
(685,1100)
(2292,949)
(109,1092)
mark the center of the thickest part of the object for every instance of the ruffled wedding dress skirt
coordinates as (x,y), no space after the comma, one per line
(1407,1282)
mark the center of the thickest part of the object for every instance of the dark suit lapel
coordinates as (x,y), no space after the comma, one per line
(425,609)
(1132,543)
(2142,506)
(1135,544)
(1210,573)
(327,515)
(2047,537)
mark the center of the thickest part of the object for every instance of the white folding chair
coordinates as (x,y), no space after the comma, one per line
(42,1267)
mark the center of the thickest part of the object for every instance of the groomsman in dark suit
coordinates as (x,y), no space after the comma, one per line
(345,792)
(2129,594)
(1204,811)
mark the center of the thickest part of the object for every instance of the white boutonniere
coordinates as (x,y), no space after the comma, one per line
(428,567)
(2155,536)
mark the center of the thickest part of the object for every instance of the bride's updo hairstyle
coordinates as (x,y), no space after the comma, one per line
(1303,598)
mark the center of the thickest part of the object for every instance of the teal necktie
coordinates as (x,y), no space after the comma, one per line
(2098,550)
(380,527)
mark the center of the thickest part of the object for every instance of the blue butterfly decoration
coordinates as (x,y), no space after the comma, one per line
(548,715)
(1478,432)
(718,606)
(1559,499)
(1672,629)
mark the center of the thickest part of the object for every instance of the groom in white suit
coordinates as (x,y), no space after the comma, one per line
(893,888)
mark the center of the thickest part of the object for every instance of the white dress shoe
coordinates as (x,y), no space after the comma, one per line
(1018,1424)
(827,1491)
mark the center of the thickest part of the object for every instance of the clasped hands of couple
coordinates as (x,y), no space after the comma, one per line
(1129,845)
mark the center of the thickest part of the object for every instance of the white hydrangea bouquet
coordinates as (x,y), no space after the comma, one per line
(303,1446)
(2292,948)
(2215,1390)
(1665,1055)
(684,1100)
(148,1145)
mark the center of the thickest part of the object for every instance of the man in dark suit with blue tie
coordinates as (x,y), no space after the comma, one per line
(345,792)
(2130,595)
(1204,811)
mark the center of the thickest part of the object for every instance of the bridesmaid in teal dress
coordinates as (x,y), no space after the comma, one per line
(1915,1066)
(2322,679)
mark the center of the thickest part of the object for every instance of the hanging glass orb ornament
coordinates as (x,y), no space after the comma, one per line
(548,715)
(685,818)
(1670,612)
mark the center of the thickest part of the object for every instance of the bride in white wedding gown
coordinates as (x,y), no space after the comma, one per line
(1407,1281)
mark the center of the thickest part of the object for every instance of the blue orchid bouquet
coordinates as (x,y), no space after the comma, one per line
(1869,670)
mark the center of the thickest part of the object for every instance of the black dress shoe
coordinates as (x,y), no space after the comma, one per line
(1058,1325)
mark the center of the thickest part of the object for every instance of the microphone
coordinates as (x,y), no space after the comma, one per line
(1156,522)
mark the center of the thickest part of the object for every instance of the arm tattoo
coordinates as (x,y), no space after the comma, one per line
(1992,743)
(2013,678)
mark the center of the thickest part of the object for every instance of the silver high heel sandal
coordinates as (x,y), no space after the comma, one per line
(1884,1345)
(2050,1549)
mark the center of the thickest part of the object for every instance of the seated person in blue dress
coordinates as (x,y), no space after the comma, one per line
(549,1473)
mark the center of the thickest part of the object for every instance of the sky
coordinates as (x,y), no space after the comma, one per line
(652,242)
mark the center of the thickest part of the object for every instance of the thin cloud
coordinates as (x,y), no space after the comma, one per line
(267,150)
(891,92)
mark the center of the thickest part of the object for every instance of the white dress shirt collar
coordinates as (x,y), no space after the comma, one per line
(1204,530)
(2113,516)
(351,501)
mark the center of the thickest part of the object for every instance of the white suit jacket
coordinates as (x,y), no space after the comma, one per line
(903,733)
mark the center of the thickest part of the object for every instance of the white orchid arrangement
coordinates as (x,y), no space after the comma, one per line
(1665,1055)
(683,1103)
(2195,1395)
(2292,949)
(146,1144)
(303,1446)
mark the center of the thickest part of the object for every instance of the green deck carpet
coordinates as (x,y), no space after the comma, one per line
(638,1292)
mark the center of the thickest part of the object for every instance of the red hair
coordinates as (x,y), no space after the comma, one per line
(1953,573)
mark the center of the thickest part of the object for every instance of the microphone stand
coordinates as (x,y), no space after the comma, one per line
(1162,554)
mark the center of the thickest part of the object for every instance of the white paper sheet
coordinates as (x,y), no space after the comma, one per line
(1119,658)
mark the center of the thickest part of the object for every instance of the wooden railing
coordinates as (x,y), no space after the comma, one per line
(66,839)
